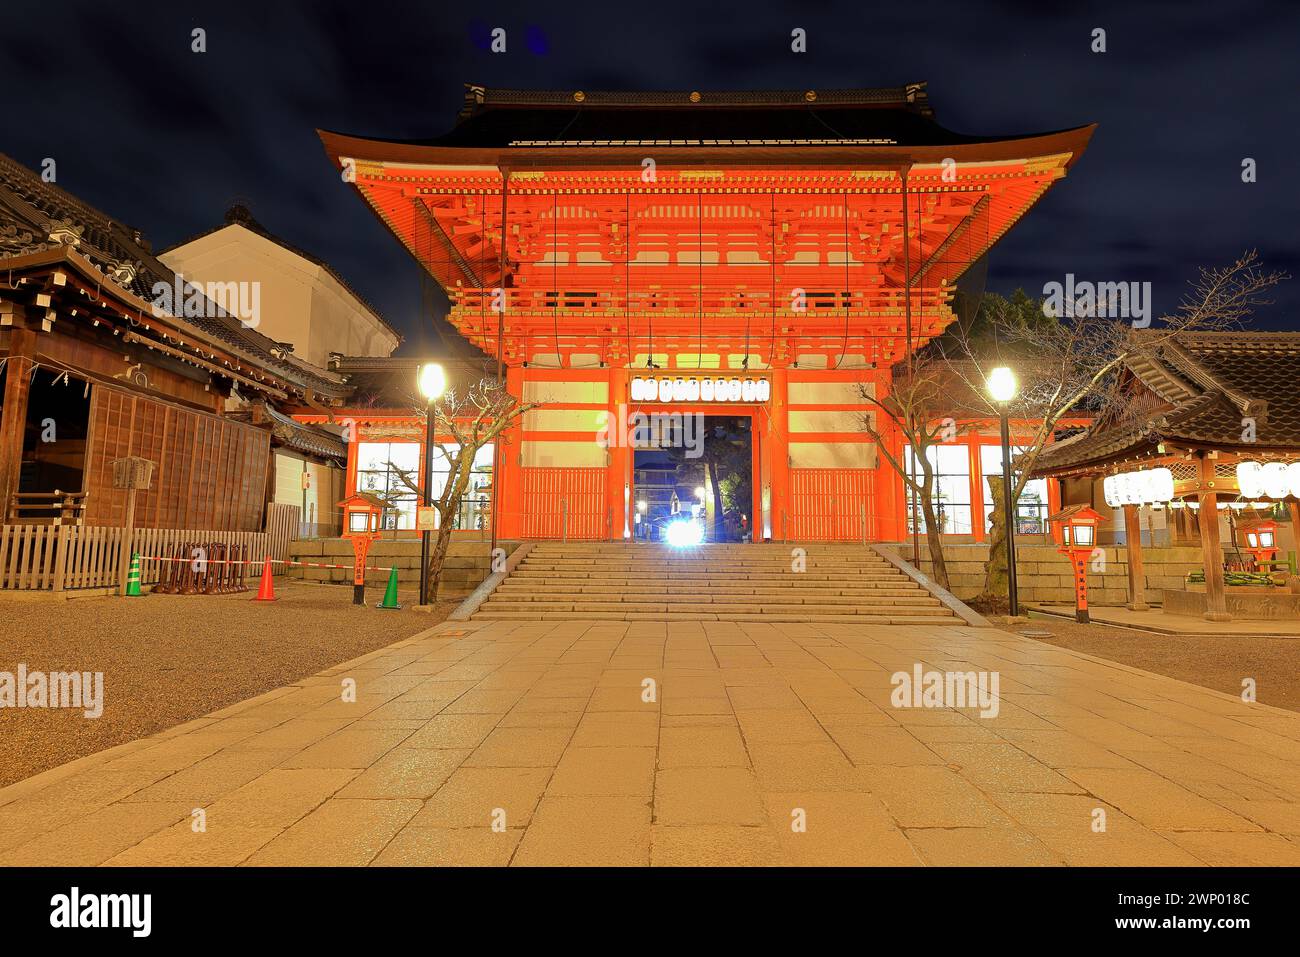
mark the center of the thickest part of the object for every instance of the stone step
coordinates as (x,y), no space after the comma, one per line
(489,615)
(807,593)
(594,569)
(775,558)
(727,582)
(544,604)
(618,563)
(915,598)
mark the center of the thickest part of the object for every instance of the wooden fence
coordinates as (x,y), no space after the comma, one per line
(70,557)
(282,526)
(565,503)
(833,505)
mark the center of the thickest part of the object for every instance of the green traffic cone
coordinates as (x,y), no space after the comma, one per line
(390,593)
(133,576)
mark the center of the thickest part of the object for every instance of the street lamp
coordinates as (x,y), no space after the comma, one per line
(432,381)
(1002,388)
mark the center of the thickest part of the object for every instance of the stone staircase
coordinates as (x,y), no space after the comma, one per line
(635,582)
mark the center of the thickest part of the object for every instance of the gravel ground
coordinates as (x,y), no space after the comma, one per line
(1218,662)
(167,659)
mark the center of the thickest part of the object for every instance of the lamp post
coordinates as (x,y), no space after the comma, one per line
(432,381)
(1002,387)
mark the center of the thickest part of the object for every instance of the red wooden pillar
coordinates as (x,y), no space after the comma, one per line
(618,475)
(509,484)
(972,440)
(13,415)
(778,455)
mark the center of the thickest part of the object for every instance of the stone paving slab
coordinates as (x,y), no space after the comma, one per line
(591,743)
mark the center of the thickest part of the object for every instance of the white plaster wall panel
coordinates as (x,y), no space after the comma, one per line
(828,393)
(826,421)
(832,455)
(694,360)
(587,392)
(563,455)
(300,302)
(564,420)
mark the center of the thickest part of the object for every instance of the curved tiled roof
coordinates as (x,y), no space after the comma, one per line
(517,126)
(32,211)
(1214,384)
(310,439)
(890,115)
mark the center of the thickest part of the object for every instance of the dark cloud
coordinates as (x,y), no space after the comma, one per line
(165,138)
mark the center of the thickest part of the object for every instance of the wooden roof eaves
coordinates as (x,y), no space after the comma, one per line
(1161,380)
(70,258)
(1072,142)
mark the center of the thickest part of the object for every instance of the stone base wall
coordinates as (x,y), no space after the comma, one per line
(1045,575)
(1242,603)
(467,564)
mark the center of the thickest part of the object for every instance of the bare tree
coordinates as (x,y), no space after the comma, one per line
(1074,363)
(919,408)
(473,417)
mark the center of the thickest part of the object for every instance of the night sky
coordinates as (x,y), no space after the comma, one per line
(166,139)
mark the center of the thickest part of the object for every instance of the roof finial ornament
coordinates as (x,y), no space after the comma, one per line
(66,232)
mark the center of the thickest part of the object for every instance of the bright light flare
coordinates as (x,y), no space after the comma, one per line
(684,534)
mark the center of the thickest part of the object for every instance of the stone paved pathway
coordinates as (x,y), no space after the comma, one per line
(541,727)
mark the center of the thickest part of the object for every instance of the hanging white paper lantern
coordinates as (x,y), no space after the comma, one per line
(1275,479)
(1145,487)
(1108,489)
(1249,482)
(1293,478)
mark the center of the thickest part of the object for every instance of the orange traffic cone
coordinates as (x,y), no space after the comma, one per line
(266,591)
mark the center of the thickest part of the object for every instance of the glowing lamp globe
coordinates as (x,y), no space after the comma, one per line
(1002,384)
(432,381)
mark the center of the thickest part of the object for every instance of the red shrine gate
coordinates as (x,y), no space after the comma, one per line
(787,247)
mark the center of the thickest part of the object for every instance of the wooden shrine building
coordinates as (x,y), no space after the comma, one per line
(97,368)
(1210,431)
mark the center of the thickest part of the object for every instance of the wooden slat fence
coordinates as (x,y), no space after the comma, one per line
(70,557)
(833,505)
(282,525)
(566,503)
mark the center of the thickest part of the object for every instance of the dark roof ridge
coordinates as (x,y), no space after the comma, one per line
(1193,369)
(910,96)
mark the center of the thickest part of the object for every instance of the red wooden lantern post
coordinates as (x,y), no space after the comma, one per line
(361,517)
(1261,541)
(1078,539)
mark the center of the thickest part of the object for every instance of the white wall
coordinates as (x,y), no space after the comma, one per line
(300,301)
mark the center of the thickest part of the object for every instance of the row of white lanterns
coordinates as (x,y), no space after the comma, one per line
(1146,487)
(681,389)
(1268,479)
(1255,480)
